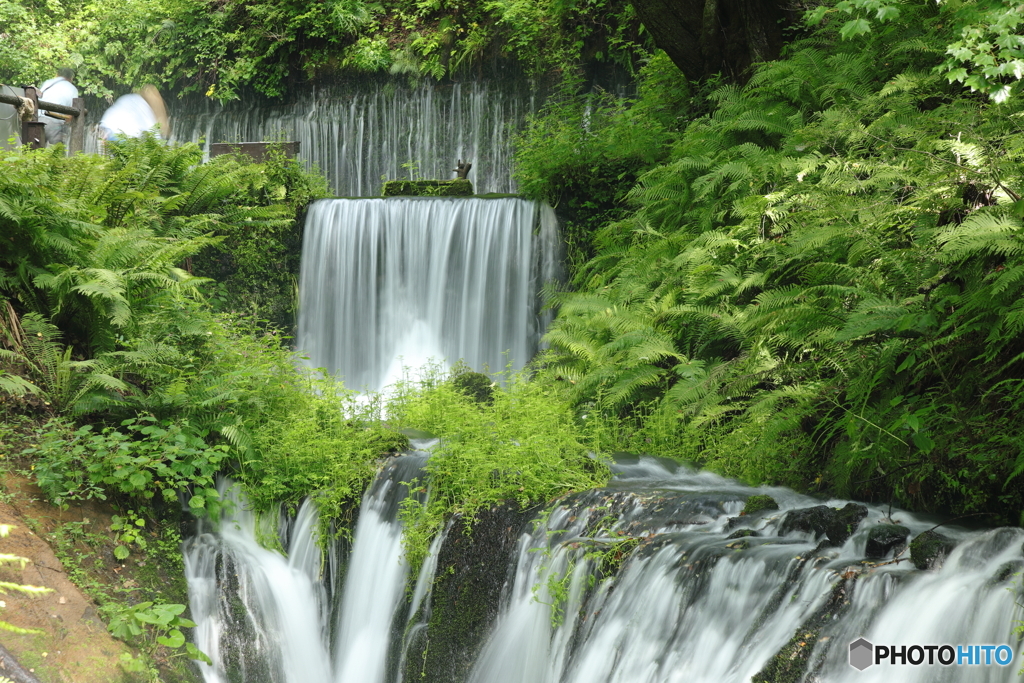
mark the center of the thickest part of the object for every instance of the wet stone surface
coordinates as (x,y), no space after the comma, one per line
(884,539)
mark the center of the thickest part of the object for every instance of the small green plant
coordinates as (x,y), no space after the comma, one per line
(606,549)
(412,169)
(144,458)
(153,623)
(129,530)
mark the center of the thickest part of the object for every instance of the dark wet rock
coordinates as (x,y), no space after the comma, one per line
(794,660)
(472,567)
(930,549)
(759,503)
(1007,571)
(738,522)
(742,533)
(835,524)
(886,538)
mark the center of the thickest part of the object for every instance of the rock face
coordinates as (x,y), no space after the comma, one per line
(930,549)
(472,568)
(742,533)
(790,663)
(886,538)
(836,525)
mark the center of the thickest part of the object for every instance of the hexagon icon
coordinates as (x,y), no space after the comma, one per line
(861,654)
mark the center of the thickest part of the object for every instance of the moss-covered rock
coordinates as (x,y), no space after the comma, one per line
(460,187)
(835,524)
(472,568)
(1007,571)
(759,503)
(930,549)
(475,385)
(886,538)
(741,533)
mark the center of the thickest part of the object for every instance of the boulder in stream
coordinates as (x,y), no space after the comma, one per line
(836,524)
(886,538)
(930,549)
(759,503)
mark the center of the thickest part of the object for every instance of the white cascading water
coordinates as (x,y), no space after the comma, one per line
(392,283)
(358,132)
(277,610)
(265,616)
(687,607)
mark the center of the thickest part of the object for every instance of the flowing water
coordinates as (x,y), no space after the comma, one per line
(389,283)
(358,131)
(263,615)
(686,603)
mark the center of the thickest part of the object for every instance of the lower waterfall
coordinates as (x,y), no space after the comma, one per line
(689,600)
(265,616)
(388,283)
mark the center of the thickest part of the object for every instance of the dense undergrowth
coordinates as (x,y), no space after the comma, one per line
(815,279)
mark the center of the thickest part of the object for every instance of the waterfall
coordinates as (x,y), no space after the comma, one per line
(263,615)
(690,601)
(691,604)
(387,283)
(355,132)
(259,615)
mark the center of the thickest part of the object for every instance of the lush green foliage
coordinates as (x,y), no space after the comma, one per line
(256,263)
(523,445)
(102,324)
(326,445)
(581,153)
(821,284)
(140,459)
(987,51)
(220,48)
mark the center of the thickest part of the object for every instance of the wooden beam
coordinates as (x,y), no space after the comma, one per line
(33,132)
(77,141)
(45,106)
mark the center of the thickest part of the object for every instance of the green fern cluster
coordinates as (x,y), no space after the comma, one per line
(822,284)
(101,320)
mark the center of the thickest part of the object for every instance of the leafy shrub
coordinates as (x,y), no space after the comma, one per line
(327,444)
(819,286)
(522,446)
(143,459)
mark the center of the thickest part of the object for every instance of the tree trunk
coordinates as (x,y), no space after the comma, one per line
(705,37)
